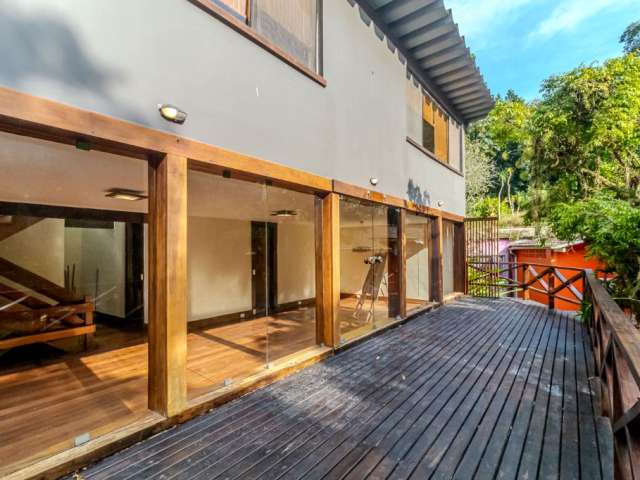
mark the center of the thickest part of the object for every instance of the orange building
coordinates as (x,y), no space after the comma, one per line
(558,254)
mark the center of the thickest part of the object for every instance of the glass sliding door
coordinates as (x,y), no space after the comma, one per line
(418,246)
(72,314)
(447,260)
(369,267)
(290,288)
(251,271)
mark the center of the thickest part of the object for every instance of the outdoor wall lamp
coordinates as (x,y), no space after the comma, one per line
(373,181)
(440,203)
(172,113)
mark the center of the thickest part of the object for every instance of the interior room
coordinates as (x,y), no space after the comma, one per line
(369,267)
(73,350)
(251,278)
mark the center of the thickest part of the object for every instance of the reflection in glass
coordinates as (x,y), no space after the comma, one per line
(418,246)
(369,267)
(251,272)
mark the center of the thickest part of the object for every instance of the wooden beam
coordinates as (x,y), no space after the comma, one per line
(34,116)
(46,337)
(436,261)
(459,258)
(168,284)
(402,245)
(328,268)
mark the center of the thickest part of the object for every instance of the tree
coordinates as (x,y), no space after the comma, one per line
(479,172)
(503,135)
(585,164)
(630,38)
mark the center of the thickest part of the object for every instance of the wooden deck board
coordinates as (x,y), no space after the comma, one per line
(480,388)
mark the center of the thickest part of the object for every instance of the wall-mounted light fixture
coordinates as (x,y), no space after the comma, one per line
(284,213)
(172,113)
(373,181)
(125,194)
(440,203)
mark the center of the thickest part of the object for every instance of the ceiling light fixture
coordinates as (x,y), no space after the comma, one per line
(125,194)
(284,213)
(172,113)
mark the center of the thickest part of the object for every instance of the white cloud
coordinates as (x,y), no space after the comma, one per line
(571,13)
(480,19)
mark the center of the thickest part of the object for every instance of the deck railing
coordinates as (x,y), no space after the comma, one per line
(616,348)
(499,279)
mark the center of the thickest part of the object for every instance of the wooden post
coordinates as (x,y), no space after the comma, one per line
(328,269)
(525,280)
(459,259)
(550,295)
(436,260)
(402,274)
(168,284)
(395,218)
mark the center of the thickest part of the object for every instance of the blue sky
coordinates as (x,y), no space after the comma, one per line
(519,43)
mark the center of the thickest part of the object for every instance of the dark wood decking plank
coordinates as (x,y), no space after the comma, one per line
(307,462)
(446,453)
(301,469)
(407,451)
(476,400)
(210,458)
(489,440)
(590,465)
(454,392)
(373,434)
(527,466)
(229,424)
(570,449)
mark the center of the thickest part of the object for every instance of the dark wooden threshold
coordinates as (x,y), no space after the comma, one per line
(412,142)
(247,32)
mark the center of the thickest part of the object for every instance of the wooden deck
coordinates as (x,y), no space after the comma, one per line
(481,388)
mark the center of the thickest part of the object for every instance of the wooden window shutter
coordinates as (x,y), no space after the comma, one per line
(442,135)
(290,24)
(239,7)
(427,110)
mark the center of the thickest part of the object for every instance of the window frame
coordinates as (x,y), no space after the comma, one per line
(243,27)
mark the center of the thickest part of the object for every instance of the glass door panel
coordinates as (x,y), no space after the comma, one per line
(386,287)
(228,274)
(418,239)
(290,286)
(358,260)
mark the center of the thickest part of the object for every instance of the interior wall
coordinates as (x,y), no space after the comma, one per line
(39,248)
(219,267)
(418,275)
(99,257)
(296,262)
(447,254)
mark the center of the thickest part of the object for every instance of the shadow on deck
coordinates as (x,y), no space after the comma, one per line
(481,388)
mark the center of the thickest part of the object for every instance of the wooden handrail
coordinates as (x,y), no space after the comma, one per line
(489,278)
(616,348)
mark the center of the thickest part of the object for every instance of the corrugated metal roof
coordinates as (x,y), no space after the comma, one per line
(426,35)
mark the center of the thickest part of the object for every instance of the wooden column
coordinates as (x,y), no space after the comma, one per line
(402,278)
(436,260)
(328,269)
(459,259)
(395,264)
(167,284)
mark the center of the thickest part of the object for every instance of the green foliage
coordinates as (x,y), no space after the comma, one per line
(503,135)
(630,38)
(584,132)
(611,229)
(479,172)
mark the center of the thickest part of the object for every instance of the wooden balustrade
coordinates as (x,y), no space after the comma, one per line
(497,279)
(616,348)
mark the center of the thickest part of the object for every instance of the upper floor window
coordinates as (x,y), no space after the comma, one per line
(431,128)
(291,25)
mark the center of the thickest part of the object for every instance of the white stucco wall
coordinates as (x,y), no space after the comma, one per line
(122,59)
